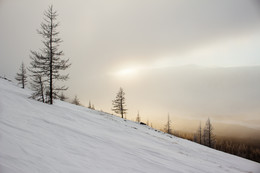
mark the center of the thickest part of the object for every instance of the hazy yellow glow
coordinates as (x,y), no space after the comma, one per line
(127,72)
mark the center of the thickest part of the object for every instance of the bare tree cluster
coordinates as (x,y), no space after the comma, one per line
(206,136)
(245,148)
(240,148)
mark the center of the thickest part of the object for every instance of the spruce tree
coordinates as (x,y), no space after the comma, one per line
(21,76)
(119,106)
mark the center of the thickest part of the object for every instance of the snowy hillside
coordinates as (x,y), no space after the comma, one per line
(65,138)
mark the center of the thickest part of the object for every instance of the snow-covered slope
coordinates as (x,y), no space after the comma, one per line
(65,138)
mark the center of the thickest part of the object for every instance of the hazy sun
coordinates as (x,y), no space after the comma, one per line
(127,72)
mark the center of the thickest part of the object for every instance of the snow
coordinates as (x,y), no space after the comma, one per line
(65,138)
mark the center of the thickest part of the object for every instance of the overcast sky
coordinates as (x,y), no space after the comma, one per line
(193,59)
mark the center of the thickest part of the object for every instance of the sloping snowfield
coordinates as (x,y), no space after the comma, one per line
(65,138)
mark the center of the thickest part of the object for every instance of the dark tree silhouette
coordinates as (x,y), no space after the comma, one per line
(21,76)
(119,106)
(49,62)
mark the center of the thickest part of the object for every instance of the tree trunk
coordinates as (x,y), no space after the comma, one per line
(51,57)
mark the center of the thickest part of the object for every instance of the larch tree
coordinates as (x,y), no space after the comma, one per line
(49,62)
(168,128)
(138,119)
(37,87)
(199,134)
(21,76)
(209,137)
(89,105)
(75,101)
(93,107)
(63,97)
(37,78)
(119,105)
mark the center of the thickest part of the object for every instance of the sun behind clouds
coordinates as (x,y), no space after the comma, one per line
(127,72)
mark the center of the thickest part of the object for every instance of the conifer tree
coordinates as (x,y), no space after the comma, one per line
(147,123)
(168,128)
(63,97)
(138,119)
(199,134)
(21,77)
(49,62)
(76,100)
(89,105)
(119,106)
(209,137)
(37,87)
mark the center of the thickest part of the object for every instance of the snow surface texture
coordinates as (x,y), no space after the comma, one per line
(65,138)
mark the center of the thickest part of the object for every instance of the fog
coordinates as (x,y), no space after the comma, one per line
(193,60)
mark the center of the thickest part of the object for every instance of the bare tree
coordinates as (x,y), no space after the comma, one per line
(147,122)
(89,105)
(75,101)
(199,134)
(37,87)
(63,97)
(138,119)
(21,77)
(119,106)
(168,128)
(49,61)
(209,137)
